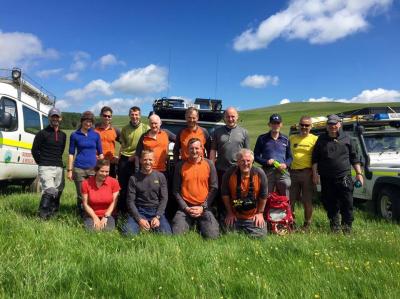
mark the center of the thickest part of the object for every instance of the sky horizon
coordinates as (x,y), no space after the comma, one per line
(249,54)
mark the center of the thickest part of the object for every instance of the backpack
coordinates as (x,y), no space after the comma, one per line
(249,202)
(278,214)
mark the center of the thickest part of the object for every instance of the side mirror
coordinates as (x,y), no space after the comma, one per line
(5,120)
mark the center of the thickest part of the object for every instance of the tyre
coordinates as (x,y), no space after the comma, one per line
(388,203)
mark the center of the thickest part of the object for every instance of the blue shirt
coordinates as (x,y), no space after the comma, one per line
(267,148)
(87,147)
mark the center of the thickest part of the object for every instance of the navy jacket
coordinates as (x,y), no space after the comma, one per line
(267,148)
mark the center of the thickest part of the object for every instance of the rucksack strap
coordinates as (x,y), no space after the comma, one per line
(239,182)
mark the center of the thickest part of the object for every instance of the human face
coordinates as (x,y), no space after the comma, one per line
(155,124)
(106,117)
(333,129)
(102,173)
(147,162)
(231,117)
(195,150)
(245,163)
(275,126)
(305,126)
(55,120)
(191,119)
(87,124)
(135,117)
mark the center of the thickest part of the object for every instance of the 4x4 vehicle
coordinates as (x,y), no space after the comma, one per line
(376,133)
(23,113)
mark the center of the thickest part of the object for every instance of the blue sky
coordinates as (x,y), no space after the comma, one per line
(248,53)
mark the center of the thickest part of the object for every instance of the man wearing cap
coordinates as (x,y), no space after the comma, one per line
(272,152)
(332,158)
(302,186)
(47,150)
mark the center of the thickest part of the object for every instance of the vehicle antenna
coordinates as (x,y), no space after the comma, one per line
(216,77)
(169,70)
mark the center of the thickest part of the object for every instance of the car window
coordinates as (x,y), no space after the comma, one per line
(31,120)
(9,106)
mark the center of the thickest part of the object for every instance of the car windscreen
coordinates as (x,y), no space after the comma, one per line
(378,143)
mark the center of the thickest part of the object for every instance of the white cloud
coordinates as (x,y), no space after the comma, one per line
(80,61)
(284,101)
(62,104)
(71,76)
(48,73)
(108,60)
(119,105)
(259,81)
(92,89)
(151,78)
(318,21)
(19,49)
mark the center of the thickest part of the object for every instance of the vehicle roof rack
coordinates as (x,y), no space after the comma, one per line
(369,111)
(175,108)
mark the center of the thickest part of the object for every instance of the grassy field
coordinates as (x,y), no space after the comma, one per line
(58,258)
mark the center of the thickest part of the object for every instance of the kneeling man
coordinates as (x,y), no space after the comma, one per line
(147,198)
(244,192)
(195,186)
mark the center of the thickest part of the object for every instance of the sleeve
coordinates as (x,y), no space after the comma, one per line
(118,133)
(225,181)
(289,157)
(72,144)
(177,146)
(122,139)
(64,143)
(171,136)
(139,146)
(263,184)
(207,146)
(85,187)
(99,148)
(177,183)
(36,147)
(246,139)
(258,152)
(316,151)
(131,198)
(212,184)
(115,186)
(213,145)
(353,152)
(163,195)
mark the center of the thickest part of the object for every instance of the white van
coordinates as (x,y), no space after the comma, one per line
(23,113)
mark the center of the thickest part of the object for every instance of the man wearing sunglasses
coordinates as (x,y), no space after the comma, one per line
(302,186)
(109,135)
(272,152)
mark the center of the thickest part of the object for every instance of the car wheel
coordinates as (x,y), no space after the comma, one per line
(388,203)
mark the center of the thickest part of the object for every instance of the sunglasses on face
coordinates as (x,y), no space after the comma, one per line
(276,123)
(107,116)
(304,125)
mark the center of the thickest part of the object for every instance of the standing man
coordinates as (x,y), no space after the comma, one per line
(147,198)
(332,158)
(244,191)
(195,186)
(108,135)
(193,130)
(301,174)
(272,151)
(226,142)
(47,150)
(129,138)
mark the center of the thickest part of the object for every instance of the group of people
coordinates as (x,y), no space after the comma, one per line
(215,184)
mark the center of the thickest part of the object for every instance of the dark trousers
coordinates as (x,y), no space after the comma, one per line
(337,197)
(125,170)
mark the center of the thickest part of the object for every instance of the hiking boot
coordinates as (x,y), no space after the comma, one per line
(306,226)
(346,229)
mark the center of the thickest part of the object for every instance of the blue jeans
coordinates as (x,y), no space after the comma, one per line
(132,227)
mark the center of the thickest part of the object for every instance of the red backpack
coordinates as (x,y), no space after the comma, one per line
(278,214)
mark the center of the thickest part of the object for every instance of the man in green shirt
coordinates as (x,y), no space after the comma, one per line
(129,138)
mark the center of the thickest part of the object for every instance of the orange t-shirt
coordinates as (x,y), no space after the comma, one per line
(108,138)
(187,134)
(194,187)
(159,146)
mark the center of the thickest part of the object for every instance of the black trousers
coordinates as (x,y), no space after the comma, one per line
(337,197)
(125,170)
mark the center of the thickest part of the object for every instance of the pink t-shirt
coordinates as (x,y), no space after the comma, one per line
(99,199)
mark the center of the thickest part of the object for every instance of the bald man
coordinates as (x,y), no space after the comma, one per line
(226,142)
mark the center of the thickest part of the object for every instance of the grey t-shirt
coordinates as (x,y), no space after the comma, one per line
(227,142)
(147,191)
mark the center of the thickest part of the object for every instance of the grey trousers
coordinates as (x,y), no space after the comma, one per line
(247,226)
(88,222)
(79,175)
(278,181)
(206,223)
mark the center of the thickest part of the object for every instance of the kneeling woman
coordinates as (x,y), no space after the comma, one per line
(99,196)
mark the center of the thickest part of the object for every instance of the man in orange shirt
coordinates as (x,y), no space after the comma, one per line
(193,130)
(108,135)
(244,192)
(195,186)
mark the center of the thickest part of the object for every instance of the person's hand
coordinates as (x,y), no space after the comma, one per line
(69,175)
(196,211)
(230,219)
(144,224)
(270,162)
(97,223)
(103,222)
(155,222)
(283,166)
(315,178)
(360,178)
(101,157)
(259,220)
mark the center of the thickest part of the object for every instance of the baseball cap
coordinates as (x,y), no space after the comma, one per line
(333,119)
(54,111)
(275,118)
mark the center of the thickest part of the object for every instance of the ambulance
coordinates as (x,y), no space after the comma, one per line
(375,131)
(24,106)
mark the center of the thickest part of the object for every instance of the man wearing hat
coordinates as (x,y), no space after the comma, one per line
(332,158)
(47,150)
(272,152)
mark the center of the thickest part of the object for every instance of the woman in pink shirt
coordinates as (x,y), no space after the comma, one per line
(99,196)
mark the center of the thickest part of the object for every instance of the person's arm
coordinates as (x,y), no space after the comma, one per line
(171,136)
(258,152)
(262,200)
(289,156)
(246,139)
(138,153)
(213,148)
(177,185)
(207,145)
(163,195)
(99,147)
(212,185)
(131,199)
(115,193)
(177,147)
(315,158)
(118,134)
(230,217)
(36,147)
(88,209)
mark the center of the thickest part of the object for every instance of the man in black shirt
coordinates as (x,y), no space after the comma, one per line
(47,150)
(332,158)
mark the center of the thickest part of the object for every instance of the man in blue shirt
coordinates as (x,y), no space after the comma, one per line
(272,151)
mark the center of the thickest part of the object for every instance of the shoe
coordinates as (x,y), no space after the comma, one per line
(346,229)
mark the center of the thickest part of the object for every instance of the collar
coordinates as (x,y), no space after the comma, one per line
(196,162)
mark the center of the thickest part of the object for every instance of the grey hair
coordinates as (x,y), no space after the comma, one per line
(244,151)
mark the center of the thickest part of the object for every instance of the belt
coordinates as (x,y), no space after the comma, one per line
(303,169)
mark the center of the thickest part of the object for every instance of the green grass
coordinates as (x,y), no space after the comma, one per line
(58,258)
